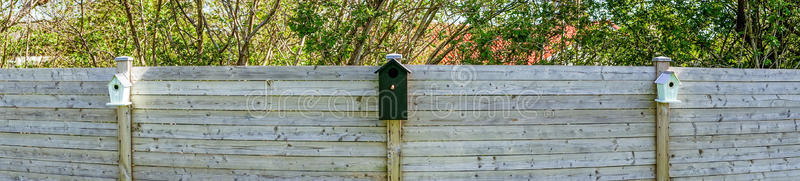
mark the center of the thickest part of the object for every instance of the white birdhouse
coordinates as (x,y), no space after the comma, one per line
(667,85)
(119,90)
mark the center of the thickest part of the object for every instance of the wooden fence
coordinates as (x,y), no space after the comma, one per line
(466,123)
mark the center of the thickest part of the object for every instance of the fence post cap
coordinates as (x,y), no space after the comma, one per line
(662,59)
(123,58)
(395,56)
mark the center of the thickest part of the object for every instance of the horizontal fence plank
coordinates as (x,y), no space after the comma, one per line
(253,88)
(267,148)
(732,101)
(59,168)
(751,88)
(730,74)
(54,87)
(733,141)
(602,173)
(515,103)
(159,173)
(787,175)
(59,141)
(58,74)
(466,133)
(286,133)
(62,128)
(59,114)
(344,164)
(258,103)
(419,72)
(734,154)
(527,162)
(733,127)
(734,114)
(54,101)
(530,88)
(257,118)
(525,147)
(478,118)
(58,154)
(733,167)
(11,175)
(256,73)
(535,72)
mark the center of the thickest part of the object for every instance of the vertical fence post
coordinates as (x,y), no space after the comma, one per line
(124,66)
(393,108)
(662,126)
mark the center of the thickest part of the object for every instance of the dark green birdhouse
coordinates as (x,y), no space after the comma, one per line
(393,89)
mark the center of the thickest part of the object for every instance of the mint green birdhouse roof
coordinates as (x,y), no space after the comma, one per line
(122,79)
(666,76)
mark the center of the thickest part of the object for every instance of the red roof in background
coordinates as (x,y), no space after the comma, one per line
(454,57)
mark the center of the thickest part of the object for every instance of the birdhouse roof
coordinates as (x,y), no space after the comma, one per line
(393,62)
(665,77)
(122,80)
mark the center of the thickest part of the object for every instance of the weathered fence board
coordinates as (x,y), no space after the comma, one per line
(62,128)
(159,173)
(59,141)
(517,103)
(59,168)
(58,114)
(734,140)
(529,88)
(601,173)
(57,154)
(287,133)
(58,74)
(258,118)
(734,167)
(734,114)
(526,147)
(528,117)
(258,103)
(527,162)
(264,148)
(11,175)
(54,101)
(261,162)
(526,132)
(257,88)
(54,87)
(729,74)
(737,127)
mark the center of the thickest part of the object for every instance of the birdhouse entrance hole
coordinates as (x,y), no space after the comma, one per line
(393,73)
(671,84)
(116,87)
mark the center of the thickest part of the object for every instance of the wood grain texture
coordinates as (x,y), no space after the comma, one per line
(730,74)
(734,167)
(517,103)
(283,163)
(58,74)
(467,133)
(735,154)
(62,128)
(59,114)
(750,88)
(784,175)
(253,88)
(59,168)
(527,162)
(54,101)
(258,118)
(275,133)
(171,173)
(527,147)
(734,127)
(536,72)
(256,73)
(733,140)
(54,87)
(258,103)
(529,117)
(529,88)
(58,154)
(602,173)
(734,114)
(265,148)
(11,175)
(59,141)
